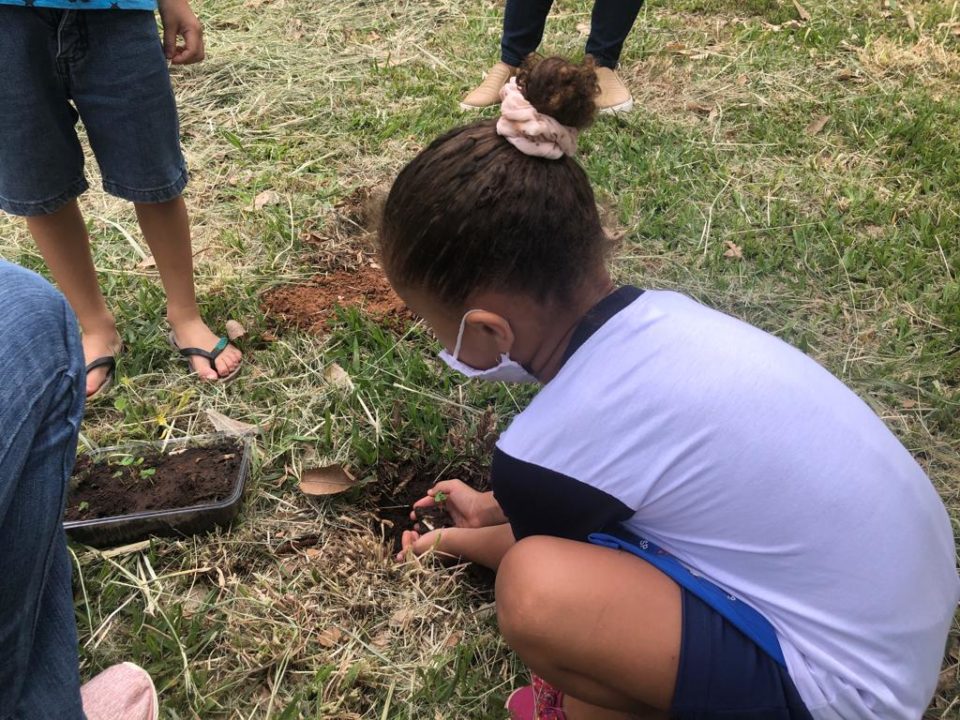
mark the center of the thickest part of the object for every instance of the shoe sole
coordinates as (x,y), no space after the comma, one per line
(623,107)
(155,704)
(506,705)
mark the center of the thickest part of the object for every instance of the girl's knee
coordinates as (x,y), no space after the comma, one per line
(524,587)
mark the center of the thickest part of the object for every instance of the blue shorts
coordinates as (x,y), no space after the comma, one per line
(723,674)
(104,67)
(731,665)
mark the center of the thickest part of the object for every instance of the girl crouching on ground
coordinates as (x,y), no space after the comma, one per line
(692,517)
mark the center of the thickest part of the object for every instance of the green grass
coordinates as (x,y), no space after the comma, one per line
(849,242)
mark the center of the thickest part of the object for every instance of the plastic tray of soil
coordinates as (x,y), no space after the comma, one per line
(177,488)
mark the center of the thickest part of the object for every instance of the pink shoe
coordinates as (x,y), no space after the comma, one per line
(121,692)
(537,701)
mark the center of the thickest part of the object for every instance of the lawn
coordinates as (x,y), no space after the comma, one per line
(798,167)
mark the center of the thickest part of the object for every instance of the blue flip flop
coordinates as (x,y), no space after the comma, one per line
(211,355)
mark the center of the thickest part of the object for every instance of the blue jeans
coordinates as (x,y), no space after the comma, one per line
(41,405)
(610,23)
(104,67)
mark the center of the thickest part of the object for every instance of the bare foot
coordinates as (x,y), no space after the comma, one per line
(97,345)
(195,333)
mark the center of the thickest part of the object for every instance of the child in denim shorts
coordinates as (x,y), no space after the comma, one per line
(102,62)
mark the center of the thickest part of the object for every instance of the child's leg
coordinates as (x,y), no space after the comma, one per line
(65,246)
(523,24)
(41,376)
(41,168)
(166,228)
(610,24)
(121,87)
(619,659)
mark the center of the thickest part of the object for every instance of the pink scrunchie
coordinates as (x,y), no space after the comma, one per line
(531,132)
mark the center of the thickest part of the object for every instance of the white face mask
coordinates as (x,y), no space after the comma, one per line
(507,370)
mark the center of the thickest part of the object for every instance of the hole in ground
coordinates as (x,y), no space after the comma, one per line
(401,484)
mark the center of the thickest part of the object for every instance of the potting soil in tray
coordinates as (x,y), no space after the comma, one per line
(153,481)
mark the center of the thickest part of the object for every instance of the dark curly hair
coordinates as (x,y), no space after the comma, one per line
(473,213)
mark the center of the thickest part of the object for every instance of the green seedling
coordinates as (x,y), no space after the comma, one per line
(440,498)
(135,465)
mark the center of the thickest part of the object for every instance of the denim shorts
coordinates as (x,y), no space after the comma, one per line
(105,68)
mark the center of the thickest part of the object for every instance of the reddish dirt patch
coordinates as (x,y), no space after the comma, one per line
(312,306)
(135,483)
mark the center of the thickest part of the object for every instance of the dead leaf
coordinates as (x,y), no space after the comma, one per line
(911,20)
(267,197)
(338,377)
(583,28)
(801,11)
(235,329)
(193,601)
(733,250)
(330,637)
(147,263)
(313,552)
(269,337)
(403,617)
(815,127)
(699,108)
(229,426)
(675,47)
(908,404)
(329,480)
(453,640)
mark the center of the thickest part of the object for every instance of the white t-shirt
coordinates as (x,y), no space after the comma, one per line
(758,469)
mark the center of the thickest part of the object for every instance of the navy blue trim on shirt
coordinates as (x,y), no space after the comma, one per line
(539,501)
(598,315)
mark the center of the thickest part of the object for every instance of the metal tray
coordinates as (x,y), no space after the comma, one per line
(175,522)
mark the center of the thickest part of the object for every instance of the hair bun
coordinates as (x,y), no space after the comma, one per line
(561,89)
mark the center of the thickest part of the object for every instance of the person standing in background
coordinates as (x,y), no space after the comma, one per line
(102,62)
(523,25)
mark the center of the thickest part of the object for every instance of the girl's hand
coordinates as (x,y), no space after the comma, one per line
(485,546)
(467,507)
(442,541)
(179,21)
